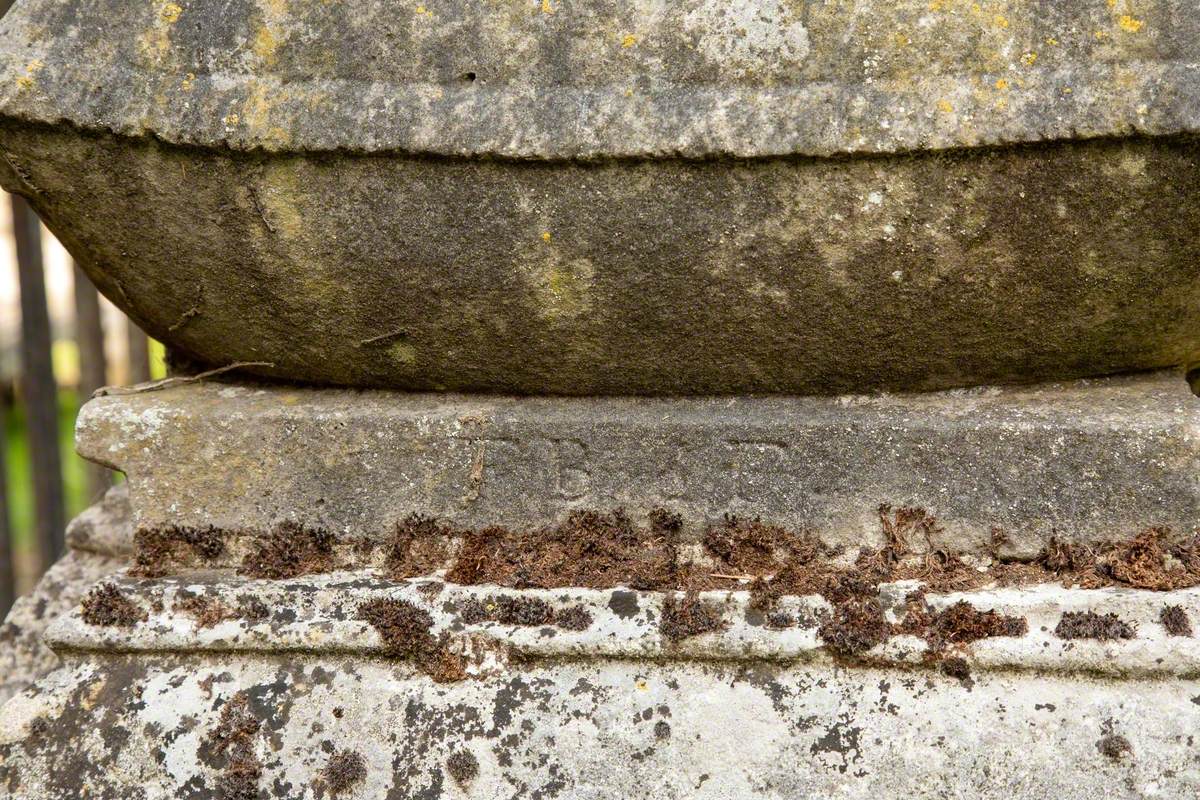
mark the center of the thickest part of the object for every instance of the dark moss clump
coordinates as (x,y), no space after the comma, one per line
(252,609)
(960,623)
(523,611)
(157,548)
(462,766)
(855,626)
(589,549)
(957,667)
(1175,620)
(688,616)
(107,606)
(751,545)
(344,769)
(1090,625)
(419,545)
(1114,747)
(232,741)
(575,618)
(288,551)
(406,632)
(207,611)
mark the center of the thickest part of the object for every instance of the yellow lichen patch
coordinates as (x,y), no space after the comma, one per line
(422,11)
(1051,41)
(547,8)
(628,40)
(24,83)
(1002,84)
(1029,59)
(1130,24)
(546,236)
(1000,21)
(188,80)
(170,13)
(264,44)
(944,106)
(403,354)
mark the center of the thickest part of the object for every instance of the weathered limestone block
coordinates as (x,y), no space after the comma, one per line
(614,198)
(100,541)
(1089,461)
(303,700)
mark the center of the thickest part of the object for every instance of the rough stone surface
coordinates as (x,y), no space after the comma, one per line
(597,721)
(1091,461)
(615,198)
(604,78)
(643,277)
(100,541)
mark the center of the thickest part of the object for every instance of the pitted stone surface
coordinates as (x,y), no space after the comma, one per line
(137,726)
(609,197)
(1092,461)
(657,277)
(100,541)
(544,79)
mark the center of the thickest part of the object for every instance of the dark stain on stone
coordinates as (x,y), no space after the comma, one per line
(842,739)
(1114,747)
(623,603)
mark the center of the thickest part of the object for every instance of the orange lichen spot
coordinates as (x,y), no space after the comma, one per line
(1002,84)
(1130,24)
(546,236)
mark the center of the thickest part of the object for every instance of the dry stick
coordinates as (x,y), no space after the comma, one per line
(39,392)
(164,383)
(93,372)
(8,572)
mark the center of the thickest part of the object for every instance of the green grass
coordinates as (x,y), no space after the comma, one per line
(19,478)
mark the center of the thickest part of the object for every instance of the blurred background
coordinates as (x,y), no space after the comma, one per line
(59,342)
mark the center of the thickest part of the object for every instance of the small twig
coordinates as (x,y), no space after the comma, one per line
(183,318)
(258,207)
(164,383)
(732,577)
(383,337)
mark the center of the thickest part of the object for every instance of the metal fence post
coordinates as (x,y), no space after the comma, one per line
(39,392)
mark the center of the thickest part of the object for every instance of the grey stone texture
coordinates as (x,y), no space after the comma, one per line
(611,712)
(100,542)
(687,198)
(1093,460)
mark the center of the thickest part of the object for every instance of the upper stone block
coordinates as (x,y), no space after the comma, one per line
(608,197)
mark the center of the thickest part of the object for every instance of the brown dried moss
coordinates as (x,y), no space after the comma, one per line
(462,766)
(1175,620)
(855,626)
(288,551)
(207,611)
(344,769)
(232,738)
(406,631)
(107,606)
(688,616)
(158,548)
(523,611)
(1090,625)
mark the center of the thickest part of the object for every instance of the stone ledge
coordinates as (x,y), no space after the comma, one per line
(1090,460)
